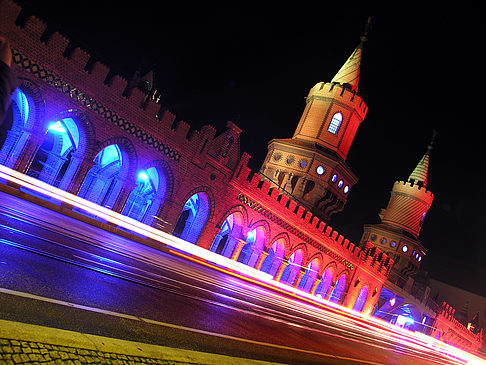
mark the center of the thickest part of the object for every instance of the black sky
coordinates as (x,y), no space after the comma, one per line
(423,69)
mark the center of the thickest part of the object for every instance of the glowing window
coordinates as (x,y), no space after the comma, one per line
(346,189)
(320,170)
(335,123)
(340,184)
(334,178)
(393,243)
(405,248)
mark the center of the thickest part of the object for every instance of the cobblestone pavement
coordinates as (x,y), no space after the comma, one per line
(22,352)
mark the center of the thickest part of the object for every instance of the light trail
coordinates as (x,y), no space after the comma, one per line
(234,267)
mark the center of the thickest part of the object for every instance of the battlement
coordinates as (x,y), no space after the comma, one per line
(339,91)
(417,191)
(54,56)
(447,313)
(258,194)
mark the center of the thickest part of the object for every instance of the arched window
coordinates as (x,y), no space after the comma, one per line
(293,267)
(146,198)
(16,128)
(54,155)
(255,241)
(102,183)
(310,276)
(193,218)
(335,123)
(231,232)
(274,258)
(323,288)
(338,291)
(361,299)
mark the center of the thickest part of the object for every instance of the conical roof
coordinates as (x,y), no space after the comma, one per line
(419,174)
(349,72)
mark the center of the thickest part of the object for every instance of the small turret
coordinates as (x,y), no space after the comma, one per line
(402,221)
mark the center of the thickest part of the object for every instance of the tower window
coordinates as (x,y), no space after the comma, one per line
(335,123)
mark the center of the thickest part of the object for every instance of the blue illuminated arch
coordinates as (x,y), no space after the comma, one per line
(323,288)
(274,258)
(53,157)
(310,276)
(193,218)
(293,267)
(103,181)
(361,299)
(338,291)
(147,196)
(229,235)
(255,242)
(16,128)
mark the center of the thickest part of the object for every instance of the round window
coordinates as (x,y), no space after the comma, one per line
(340,184)
(334,178)
(405,248)
(277,156)
(373,237)
(320,170)
(346,189)
(303,163)
(393,243)
(383,241)
(420,258)
(290,160)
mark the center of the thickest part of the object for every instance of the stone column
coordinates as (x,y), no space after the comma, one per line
(123,195)
(315,285)
(80,176)
(299,276)
(238,247)
(280,270)
(259,263)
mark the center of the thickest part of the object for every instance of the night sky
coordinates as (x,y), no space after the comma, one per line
(253,64)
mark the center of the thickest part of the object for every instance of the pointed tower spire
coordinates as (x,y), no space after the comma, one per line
(349,72)
(419,174)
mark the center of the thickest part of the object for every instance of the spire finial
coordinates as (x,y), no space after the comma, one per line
(364,37)
(432,140)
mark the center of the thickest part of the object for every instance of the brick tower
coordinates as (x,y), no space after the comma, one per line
(311,166)
(401,221)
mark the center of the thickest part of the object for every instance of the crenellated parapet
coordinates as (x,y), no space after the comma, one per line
(339,93)
(258,195)
(450,330)
(407,207)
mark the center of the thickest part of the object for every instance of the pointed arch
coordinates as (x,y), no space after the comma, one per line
(256,237)
(198,209)
(312,267)
(361,298)
(114,165)
(324,287)
(231,231)
(23,122)
(275,255)
(340,286)
(284,238)
(67,138)
(294,265)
